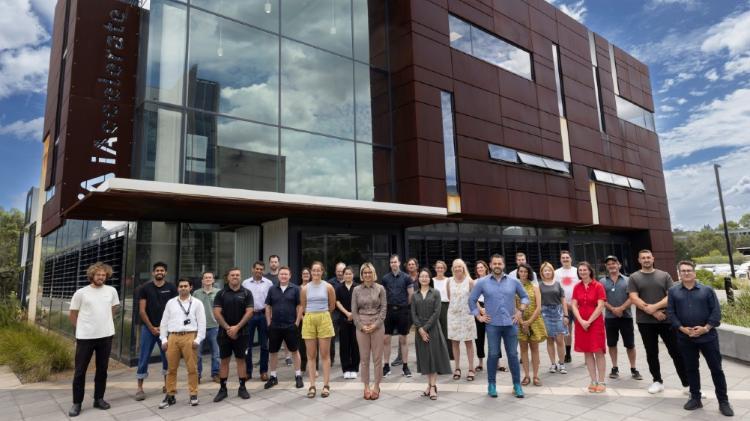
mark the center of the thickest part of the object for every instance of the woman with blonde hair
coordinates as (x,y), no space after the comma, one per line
(369,308)
(554,313)
(318,299)
(461,327)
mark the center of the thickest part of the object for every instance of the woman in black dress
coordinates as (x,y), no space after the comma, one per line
(432,350)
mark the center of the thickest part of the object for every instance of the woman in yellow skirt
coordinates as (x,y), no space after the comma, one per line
(318,301)
(531,331)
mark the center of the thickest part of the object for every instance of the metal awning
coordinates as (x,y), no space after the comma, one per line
(131,199)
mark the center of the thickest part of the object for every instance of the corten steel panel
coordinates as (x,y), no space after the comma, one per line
(98,100)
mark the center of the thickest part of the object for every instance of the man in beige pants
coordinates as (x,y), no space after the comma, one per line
(183,327)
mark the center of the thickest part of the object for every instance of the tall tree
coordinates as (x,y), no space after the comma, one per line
(11,224)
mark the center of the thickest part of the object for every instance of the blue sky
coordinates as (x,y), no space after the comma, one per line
(698,52)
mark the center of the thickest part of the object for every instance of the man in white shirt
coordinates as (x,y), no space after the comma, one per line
(91,314)
(567,276)
(258,285)
(182,329)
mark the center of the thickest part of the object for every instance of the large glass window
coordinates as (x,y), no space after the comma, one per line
(617,179)
(365,173)
(261,13)
(159,149)
(316,90)
(632,113)
(449,144)
(165,61)
(225,152)
(317,165)
(489,47)
(224,76)
(323,23)
(508,155)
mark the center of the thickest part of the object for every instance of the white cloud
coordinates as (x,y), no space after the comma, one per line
(696,92)
(737,66)
(24,130)
(18,25)
(712,75)
(23,70)
(681,101)
(44,8)
(732,33)
(685,3)
(667,108)
(576,10)
(722,122)
(692,195)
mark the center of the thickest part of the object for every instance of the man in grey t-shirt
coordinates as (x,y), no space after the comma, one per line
(618,321)
(648,291)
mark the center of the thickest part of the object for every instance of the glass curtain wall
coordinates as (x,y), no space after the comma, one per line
(286,96)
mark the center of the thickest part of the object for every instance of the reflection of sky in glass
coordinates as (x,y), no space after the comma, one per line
(502,153)
(451,175)
(363,102)
(361,27)
(316,90)
(365,174)
(324,23)
(529,159)
(219,52)
(460,35)
(318,165)
(166,53)
(250,11)
(628,111)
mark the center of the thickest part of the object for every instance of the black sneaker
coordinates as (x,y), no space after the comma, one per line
(726,409)
(397,361)
(272,381)
(407,372)
(635,374)
(568,359)
(168,401)
(615,373)
(194,400)
(243,393)
(298,382)
(386,370)
(221,395)
(693,404)
(75,410)
(101,404)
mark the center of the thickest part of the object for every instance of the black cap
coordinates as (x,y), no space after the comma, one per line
(611,257)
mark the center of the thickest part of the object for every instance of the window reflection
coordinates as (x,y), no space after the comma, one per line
(363,101)
(166,52)
(630,112)
(261,13)
(316,90)
(324,23)
(365,174)
(317,165)
(159,151)
(225,76)
(225,152)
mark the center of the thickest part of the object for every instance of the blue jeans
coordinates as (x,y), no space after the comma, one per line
(509,335)
(148,340)
(258,321)
(211,334)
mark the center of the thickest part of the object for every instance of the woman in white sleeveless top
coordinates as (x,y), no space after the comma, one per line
(461,327)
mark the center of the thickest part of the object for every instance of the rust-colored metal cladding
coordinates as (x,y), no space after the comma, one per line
(91,100)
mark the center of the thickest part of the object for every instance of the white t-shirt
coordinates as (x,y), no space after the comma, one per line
(568,279)
(94,307)
(440,285)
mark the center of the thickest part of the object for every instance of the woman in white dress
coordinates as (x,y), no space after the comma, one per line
(461,327)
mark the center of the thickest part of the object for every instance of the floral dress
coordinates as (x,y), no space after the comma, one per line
(537,330)
(461,326)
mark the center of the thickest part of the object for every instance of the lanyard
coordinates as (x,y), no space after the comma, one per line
(190,304)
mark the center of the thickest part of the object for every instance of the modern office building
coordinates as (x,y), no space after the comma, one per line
(223,131)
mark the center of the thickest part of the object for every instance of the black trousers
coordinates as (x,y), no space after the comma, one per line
(348,348)
(480,338)
(444,325)
(710,350)
(650,333)
(85,348)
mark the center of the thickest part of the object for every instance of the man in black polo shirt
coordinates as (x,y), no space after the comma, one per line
(233,307)
(152,298)
(399,289)
(694,312)
(283,315)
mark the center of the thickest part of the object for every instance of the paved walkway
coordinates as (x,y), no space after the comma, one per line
(562,397)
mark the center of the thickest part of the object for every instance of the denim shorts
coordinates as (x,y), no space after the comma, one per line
(553,320)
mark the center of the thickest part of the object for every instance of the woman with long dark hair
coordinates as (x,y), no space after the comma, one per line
(348,349)
(531,330)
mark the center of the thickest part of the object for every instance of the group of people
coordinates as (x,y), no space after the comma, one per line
(517,310)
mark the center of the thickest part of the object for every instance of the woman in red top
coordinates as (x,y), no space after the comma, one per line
(588,304)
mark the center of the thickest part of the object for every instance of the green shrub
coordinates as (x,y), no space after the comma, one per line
(33,354)
(738,313)
(10,311)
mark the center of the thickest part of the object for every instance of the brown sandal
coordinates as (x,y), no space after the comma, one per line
(326,391)
(526,380)
(470,376)
(433,397)
(537,382)
(456,374)
(311,392)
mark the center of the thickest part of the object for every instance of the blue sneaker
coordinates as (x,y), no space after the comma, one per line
(492,390)
(517,391)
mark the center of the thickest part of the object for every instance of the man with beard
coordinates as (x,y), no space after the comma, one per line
(152,298)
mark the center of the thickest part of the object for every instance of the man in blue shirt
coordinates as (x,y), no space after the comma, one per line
(283,316)
(502,319)
(398,291)
(694,312)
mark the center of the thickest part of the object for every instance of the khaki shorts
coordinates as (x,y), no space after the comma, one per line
(317,325)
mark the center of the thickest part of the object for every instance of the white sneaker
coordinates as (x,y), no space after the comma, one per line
(561,368)
(686,392)
(553,368)
(347,375)
(656,387)
(352,375)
